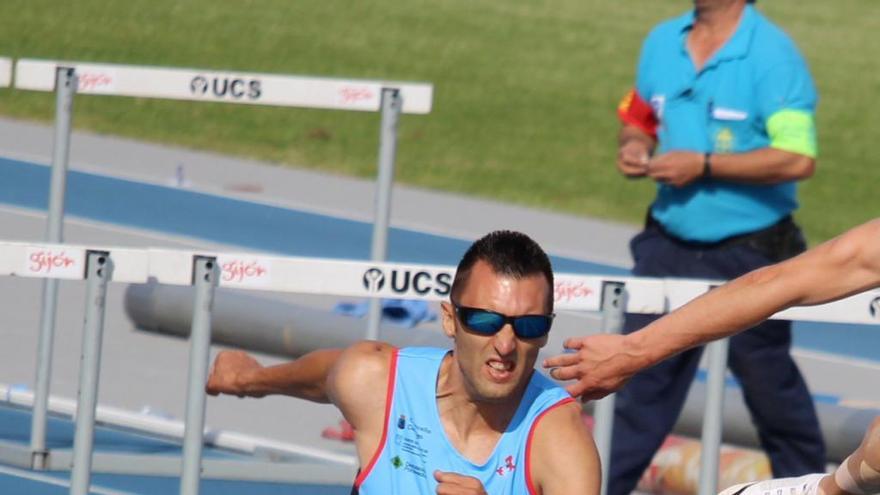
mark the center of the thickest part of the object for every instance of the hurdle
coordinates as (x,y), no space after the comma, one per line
(66,78)
(208,270)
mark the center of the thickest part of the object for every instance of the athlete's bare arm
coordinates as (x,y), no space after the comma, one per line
(354,379)
(563,457)
(238,373)
(836,269)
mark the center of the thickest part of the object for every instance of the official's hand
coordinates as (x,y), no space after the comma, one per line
(632,158)
(225,376)
(676,168)
(457,484)
(600,365)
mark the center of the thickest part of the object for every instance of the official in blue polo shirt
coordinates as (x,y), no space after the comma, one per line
(722,119)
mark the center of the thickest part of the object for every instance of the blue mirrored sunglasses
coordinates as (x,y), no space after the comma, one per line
(487,322)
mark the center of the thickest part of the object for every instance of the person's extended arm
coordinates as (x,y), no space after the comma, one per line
(237,373)
(762,166)
(563,455)
(836,269)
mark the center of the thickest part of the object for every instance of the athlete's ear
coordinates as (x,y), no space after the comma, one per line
(448,315)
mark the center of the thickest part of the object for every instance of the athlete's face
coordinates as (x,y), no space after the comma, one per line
(495,368)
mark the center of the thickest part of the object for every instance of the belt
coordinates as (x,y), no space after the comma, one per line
(779,241)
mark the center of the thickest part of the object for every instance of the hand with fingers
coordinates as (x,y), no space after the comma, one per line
(600,364)
(676,168)
(227,371)
(456,484)
(632,158)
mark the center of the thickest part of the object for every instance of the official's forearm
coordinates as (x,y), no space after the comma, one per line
(304,378)
(763,166)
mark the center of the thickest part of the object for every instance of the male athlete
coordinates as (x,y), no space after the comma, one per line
(474,420)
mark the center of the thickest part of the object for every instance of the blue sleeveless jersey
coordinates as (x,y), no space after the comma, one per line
(414,443)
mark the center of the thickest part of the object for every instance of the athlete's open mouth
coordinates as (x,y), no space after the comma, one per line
(499,369)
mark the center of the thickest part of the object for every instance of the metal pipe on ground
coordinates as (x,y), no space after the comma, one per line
(259,324)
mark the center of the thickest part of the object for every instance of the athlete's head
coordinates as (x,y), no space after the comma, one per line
(499,314)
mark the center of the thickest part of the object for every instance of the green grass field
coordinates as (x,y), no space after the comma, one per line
(525,91)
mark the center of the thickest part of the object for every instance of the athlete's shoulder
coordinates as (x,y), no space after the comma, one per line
(562,456)
(359,384)
(362,367)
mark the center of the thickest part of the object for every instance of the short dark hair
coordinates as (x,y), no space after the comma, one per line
(509,253)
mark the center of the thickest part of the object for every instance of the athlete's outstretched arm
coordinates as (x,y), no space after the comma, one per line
(238,373)
(836,269)
(311,377)
(563,457)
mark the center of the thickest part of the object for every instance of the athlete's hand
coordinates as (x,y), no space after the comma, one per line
(601,365)
(227,371)
(457,484)
(632,158)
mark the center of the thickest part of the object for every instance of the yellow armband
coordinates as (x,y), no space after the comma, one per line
(793,130)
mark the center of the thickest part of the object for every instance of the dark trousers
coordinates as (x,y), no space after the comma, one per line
(775,393)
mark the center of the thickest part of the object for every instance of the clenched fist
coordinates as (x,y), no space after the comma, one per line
(227,372)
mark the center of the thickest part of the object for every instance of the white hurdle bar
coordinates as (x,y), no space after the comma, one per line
(361,279)
(249,88)
(253,271)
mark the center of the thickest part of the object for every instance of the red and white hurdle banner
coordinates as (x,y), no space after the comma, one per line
(5,72)
(223,86)
(370,279)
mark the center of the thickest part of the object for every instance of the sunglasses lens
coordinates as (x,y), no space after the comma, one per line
(482,322)
(532,326)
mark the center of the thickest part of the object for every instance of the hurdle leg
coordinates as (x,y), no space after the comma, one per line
(713,417)
(613,304)
(392,103)
(205,280)
(98,271)
(65,88)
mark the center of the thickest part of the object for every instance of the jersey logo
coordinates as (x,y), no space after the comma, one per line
(724,140)
(508,466)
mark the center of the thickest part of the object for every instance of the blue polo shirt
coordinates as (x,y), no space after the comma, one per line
(723,108)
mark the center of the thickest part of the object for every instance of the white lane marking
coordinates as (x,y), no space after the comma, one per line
(49,480)
(95,224)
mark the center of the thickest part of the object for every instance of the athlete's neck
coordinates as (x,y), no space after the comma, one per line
(473,426)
